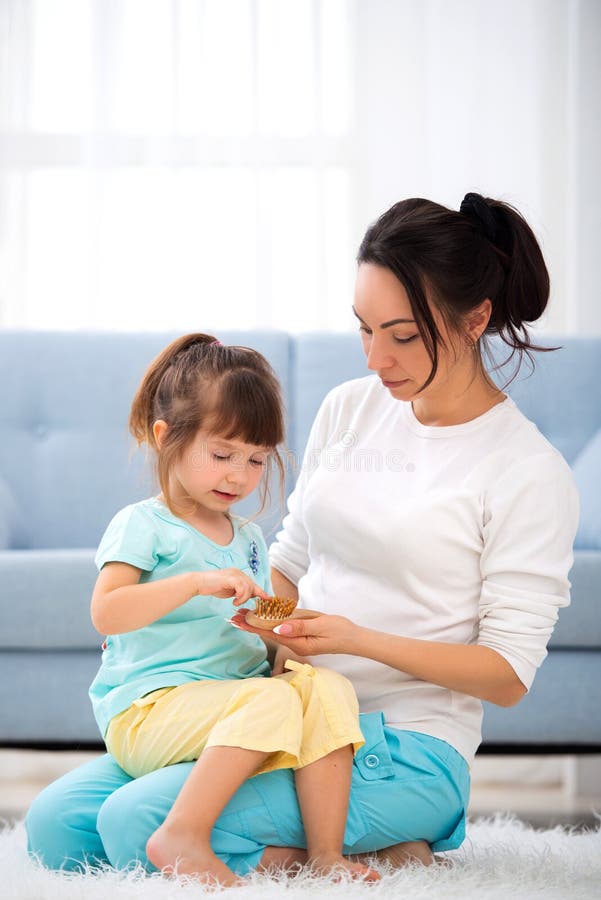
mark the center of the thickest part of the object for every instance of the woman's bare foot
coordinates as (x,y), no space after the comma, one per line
(400,855)
(174,852)
(290,859)
(330,863)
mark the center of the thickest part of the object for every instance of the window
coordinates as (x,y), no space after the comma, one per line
(182,164)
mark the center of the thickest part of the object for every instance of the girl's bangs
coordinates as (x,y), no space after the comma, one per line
(247,410)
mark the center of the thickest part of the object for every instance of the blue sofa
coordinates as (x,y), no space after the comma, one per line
(66,466)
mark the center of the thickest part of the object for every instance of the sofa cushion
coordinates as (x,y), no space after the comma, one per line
(579,624)
(29,578)
(559,396)
(320,362)
(587,473)
(559,707)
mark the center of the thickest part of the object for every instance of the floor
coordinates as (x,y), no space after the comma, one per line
(541,790)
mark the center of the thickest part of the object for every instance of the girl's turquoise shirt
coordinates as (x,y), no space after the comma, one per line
(193,641)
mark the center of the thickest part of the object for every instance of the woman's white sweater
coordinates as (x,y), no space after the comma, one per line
(461,534)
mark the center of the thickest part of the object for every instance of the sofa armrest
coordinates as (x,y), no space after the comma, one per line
(8,509)
(45,600)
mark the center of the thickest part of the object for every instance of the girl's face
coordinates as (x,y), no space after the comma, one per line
(392,342)
(217,473)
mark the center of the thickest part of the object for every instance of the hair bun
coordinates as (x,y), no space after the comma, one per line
(475,207)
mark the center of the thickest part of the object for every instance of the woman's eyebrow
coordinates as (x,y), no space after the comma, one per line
(384,324)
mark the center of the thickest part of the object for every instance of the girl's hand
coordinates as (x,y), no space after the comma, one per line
(228,583)
(308,637)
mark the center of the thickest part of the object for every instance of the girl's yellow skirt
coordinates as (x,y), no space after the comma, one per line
(297,717)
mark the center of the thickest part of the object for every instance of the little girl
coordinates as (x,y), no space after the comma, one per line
(177,682)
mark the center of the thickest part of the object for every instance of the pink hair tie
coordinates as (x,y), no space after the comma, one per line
(215,344)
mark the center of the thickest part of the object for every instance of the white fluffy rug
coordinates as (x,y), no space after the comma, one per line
(501,858)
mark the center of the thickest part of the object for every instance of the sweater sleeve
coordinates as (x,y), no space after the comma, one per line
(289,552)
(530,521)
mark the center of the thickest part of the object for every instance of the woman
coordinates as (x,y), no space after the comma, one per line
(432,525)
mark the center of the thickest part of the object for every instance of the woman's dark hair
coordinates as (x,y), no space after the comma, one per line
(197,382)
(457,260)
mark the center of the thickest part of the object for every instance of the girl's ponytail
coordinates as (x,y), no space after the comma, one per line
(146,406)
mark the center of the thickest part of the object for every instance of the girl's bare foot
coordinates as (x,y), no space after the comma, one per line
(175,852)
(330,863)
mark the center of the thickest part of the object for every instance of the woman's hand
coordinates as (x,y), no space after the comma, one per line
(228,583)
(307,637)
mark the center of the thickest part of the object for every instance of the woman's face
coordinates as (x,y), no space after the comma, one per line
(391,339)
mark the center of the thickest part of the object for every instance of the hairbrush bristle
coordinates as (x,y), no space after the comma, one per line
(274,608)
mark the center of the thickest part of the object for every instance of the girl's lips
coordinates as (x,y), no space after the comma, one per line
(224,496)
(393,384)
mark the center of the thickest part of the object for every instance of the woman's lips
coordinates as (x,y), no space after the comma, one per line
(394,384)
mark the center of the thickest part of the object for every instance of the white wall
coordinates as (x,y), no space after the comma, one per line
(585,165)
(498,98)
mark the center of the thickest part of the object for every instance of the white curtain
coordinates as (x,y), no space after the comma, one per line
(213,163)
(175,163)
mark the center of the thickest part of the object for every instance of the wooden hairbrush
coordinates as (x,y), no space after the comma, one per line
(269,613)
